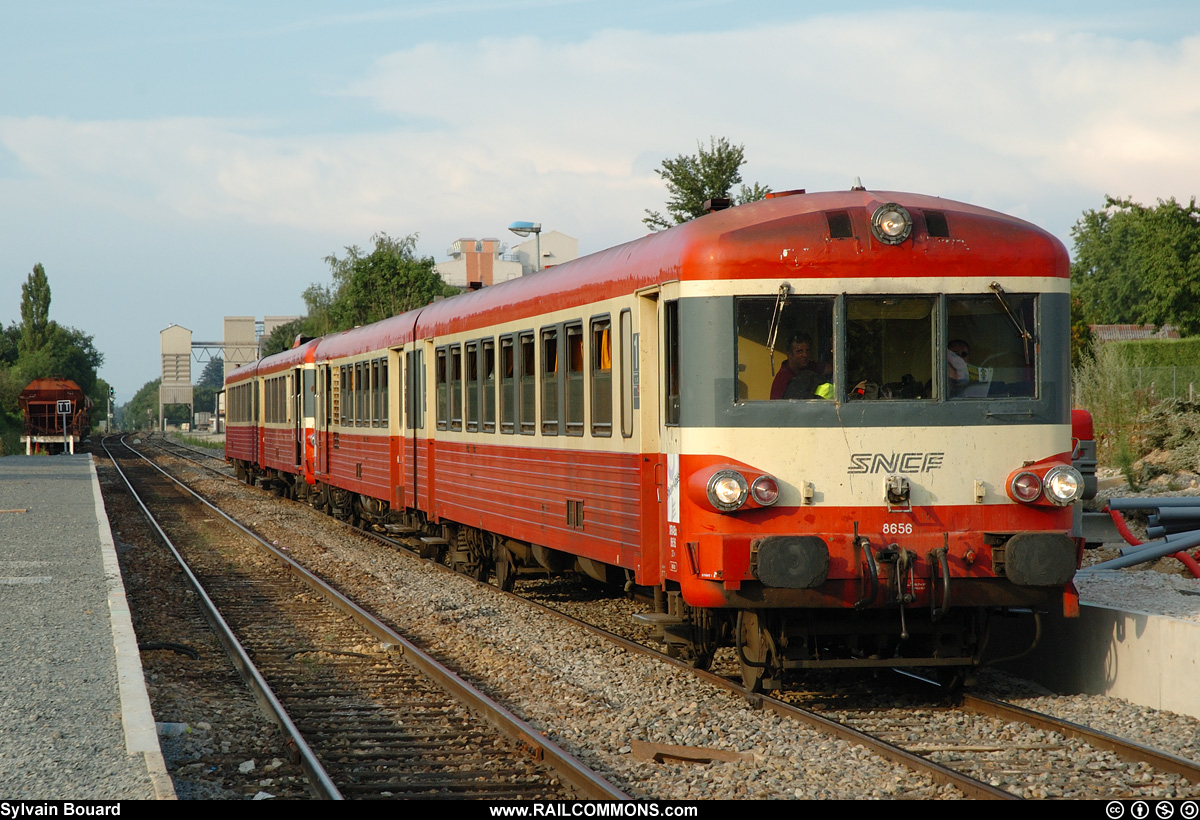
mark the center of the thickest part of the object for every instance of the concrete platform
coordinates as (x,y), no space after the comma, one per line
(1148,659)
(75,719)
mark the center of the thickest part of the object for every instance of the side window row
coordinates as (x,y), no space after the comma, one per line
(361,398)
(478,385)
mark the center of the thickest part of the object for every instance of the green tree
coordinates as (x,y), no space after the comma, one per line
(213,374)
(142,409)
(1136,264)
(35,310)
(708,174)
(283,336)
(389,280)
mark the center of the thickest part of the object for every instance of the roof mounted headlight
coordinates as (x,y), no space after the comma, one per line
(891,223)
(1063,485)
(727,490)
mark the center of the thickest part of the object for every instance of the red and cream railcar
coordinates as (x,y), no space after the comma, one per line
(269,418)
(614,415)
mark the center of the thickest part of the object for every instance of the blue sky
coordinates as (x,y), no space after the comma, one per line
(176,162)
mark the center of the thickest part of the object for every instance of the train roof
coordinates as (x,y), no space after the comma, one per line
(787,237)
(791,236)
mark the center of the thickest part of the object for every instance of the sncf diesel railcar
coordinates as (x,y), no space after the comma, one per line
(826,429)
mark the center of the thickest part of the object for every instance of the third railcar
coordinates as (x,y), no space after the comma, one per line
(829,429)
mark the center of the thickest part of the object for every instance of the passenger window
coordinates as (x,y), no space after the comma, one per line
(601,374)
(487,396)
(472,387)
(889,347)
(550,375)
(355,393)
(574,391)
(441,379)
(508,384)
(990,350)
(456,388)
(627,374)
(784,348)
(527,387)
(671,362)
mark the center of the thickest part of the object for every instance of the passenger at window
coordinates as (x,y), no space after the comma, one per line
(799,377)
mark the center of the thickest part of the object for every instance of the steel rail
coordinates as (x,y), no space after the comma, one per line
(586,782)
(1126,749)
(943,775)
(317,775)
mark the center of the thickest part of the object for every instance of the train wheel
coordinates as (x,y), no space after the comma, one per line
(756,650)
(506,569)
(689,655)
(470,555)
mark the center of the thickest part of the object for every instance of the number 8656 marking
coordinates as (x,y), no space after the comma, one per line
(900,528)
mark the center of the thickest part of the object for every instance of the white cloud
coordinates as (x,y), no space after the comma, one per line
(982,107)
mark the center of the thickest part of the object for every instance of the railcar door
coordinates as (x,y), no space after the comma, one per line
(321,424)
(297,402)
(646,395)
(671,546)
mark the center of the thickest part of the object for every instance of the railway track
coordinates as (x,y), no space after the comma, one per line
(197,455)
(939,743)
(370,714)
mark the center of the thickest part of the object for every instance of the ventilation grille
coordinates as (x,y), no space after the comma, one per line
(935,222)
(839,224)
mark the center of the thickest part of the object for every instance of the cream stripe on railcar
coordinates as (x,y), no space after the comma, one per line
(944,462)
(922,285)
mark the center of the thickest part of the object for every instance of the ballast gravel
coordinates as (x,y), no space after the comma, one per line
(595,699)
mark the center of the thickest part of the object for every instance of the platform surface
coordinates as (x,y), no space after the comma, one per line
(75,719)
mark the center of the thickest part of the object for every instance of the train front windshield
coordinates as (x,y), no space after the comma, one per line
(917,348)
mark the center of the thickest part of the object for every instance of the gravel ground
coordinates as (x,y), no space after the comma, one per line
(215,739)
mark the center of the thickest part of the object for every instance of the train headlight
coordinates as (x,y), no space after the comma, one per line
(727,490)
(1063,485)
(1025,487)
(765,490)
(891,223)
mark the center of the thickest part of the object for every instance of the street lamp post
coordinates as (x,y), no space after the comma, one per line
(525,229)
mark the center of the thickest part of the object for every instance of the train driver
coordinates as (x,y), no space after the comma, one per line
(800,377)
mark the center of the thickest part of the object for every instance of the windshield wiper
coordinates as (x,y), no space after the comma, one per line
(1025,336)
(776,315)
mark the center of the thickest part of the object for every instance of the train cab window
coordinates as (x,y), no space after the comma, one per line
(527,383)
(784,348)
(487,392)
(551,372)
(889,347)
(442,396)
(574,368)
(508,384)
(471,399)
(671,382)
(456,387)
(601,376)
(990,350)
